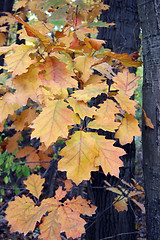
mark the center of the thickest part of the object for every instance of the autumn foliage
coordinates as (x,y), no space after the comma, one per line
(52,79)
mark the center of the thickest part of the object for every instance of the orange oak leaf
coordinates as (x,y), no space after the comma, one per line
(50,227)
(12,144)
(68,185)
(94,43)
(83,64)
(22,214)
(124,58)
(44,159)
(55,74)
(69,214)
(32,158)
(125,103)
(148,121)
(90,91)
(34,184)
(52,122)
(126,82)
(32,32)
(78,156)
(25,118)
(105,117)
(20,60)
(3,39)
(128,129)
(81,108)
(108,157)
(60,217)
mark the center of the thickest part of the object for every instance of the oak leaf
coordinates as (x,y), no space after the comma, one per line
(25,118)
(6,109)
(22,214)
(126,82)
(32,32)
(12,144)
(79,156)
(55,74)
(108,157)
(52,122)
(61,216)
(128,129)
(83,64)
(124,58)
(20,60)
(30,153)
(105,117)
(34,184)
(81,108)
(125,103)
(90,91)
(27,86)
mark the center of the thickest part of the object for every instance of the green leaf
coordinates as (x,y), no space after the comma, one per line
(25,170)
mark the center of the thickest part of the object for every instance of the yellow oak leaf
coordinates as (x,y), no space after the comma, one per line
(6,109)
(78,156)
(90,91)
(108,157)
(105,117)
(81,108)
(105,69)
(34,184)
(52,122)
(94,79)
(83,64)
(6,49)
(27,86)
(20,60)
(55,74)
(24,119)
(128,129)
(126,82)
(125,103)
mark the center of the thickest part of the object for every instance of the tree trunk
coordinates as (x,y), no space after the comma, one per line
(123,37)
(149,12)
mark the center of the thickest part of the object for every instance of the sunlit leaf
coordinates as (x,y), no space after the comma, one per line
(128,129)
(78,156)
(34,184)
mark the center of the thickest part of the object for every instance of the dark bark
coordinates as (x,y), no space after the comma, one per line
(123,37)
(149,12)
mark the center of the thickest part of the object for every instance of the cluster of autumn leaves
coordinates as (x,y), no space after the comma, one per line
(49,91)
